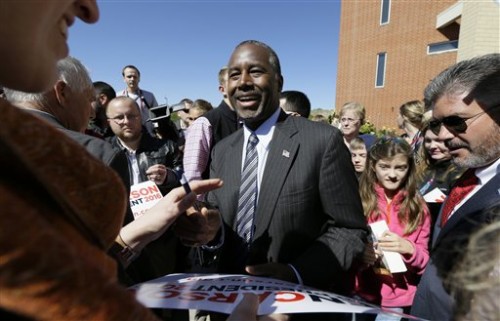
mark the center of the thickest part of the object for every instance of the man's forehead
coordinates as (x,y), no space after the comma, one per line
(249,52)
(451,103)
(121,106)
(130,71)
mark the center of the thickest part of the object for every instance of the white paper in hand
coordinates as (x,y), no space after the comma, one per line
(392,260)
(435,196)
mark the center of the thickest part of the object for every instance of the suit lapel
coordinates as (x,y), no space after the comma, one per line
(233,175)
(282,152)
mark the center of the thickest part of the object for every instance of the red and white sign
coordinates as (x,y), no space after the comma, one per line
(143,196)
(222,292)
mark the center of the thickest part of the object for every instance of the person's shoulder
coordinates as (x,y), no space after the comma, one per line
(97,147)
(309,127)
(229,140)
(214,115)
(147,92)
(201,121)
(120,93)
(369,139)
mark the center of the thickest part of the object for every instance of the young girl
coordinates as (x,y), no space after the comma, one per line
(389,192)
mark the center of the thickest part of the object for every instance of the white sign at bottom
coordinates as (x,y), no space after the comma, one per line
(222,292)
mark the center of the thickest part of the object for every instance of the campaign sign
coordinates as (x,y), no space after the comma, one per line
(143,196)
(222,292)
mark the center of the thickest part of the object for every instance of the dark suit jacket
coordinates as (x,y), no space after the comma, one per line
(309,212)
(432,300)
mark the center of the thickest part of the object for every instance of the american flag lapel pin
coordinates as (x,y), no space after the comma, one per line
(285,153)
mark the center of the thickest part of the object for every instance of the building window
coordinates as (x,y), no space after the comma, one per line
(440,47)
(385,10)
(380,76)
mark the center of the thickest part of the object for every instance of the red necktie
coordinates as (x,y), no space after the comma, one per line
(462,187)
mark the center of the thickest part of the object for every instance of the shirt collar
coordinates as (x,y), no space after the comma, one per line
(265,131)
(486,173)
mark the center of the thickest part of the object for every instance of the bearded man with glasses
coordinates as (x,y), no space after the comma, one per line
(464,100)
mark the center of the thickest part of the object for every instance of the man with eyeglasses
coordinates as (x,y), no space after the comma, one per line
(149,158)
(465,100)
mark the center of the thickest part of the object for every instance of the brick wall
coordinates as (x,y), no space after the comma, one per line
(412,26)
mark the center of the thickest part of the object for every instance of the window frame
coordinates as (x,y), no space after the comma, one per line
(384,70)
(442,43)
(388,2)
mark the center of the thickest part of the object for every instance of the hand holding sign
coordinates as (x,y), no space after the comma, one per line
(155,221)
(273,270)
(247,310)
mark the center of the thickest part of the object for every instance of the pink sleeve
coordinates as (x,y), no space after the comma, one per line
(420,241)
(197,148)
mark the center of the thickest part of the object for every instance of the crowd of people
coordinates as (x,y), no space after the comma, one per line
(272,193)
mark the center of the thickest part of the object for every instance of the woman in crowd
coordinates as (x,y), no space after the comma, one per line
(410,120)
(389,192)
(200,107)
(436,171)
(352,117)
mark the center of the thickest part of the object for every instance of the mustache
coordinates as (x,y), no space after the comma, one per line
(454,145)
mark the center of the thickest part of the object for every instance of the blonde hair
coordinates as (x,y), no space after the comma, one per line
(412,207)
(357,108)
(475,281)
(201,105)
(413,112)
(357,143)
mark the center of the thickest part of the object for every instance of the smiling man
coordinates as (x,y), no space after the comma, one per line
(465,103)
(290,203)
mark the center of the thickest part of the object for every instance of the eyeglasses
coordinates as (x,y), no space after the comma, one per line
(348,120)
(120,119)
(455,123)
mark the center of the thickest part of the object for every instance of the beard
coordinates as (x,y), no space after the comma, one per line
(483,154)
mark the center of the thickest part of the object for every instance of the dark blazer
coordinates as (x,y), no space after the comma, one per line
(432,300)
(309,212)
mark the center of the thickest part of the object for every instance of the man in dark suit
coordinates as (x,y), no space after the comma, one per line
(465,101)
(308,224)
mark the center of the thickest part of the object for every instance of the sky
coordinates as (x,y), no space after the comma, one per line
(180,46)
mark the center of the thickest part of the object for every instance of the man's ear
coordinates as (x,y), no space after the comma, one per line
(103,99)
(61,91)
(281,81)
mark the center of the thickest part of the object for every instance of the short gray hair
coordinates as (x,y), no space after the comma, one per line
(479,77)
(70,70)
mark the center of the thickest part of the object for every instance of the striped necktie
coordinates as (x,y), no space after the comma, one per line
(248,191)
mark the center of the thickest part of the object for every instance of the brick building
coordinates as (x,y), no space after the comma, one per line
(390,49)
